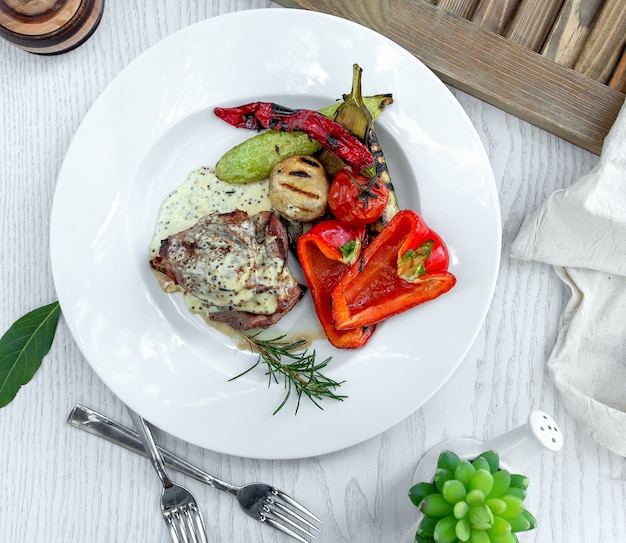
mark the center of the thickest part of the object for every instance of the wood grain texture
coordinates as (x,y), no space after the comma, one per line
(462,8)
(491,67)
(494,15)
(532,22)
(570,30)
(63,486)
(618,79)
(605,43)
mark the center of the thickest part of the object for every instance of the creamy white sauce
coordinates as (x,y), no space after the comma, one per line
(202,194)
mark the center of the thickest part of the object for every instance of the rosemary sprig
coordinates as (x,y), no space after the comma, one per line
(300,372)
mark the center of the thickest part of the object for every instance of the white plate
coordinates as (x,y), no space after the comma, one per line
(154,124)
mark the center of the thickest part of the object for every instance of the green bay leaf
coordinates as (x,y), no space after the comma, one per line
(23,347)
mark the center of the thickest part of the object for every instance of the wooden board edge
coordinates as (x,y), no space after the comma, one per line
(490,67)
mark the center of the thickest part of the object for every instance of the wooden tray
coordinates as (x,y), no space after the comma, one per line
(559,64)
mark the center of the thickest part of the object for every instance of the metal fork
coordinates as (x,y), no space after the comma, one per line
(178,506)
(261,501)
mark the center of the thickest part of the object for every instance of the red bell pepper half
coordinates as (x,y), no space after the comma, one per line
(326,252)
(404,266)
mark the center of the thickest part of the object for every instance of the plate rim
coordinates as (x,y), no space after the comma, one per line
(283,13)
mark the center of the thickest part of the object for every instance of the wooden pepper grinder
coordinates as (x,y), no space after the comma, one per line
(49,27)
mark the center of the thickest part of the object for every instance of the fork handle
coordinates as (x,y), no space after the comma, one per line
(145,434)
(97,424)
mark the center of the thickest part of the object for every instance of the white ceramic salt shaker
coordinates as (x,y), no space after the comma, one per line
(520,447)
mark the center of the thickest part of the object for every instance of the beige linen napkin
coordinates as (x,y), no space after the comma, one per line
(581,231)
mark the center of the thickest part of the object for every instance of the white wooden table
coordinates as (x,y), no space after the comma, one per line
(60,485)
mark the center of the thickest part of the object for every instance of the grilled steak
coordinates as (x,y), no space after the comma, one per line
(235,265)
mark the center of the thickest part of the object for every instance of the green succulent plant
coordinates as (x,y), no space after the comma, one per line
(471,502)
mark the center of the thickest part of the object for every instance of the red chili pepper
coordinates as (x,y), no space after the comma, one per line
(330,134)
(405,265)
(326,252)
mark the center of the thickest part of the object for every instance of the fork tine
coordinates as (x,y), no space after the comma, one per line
(278,526)
(195,524)
(172,529)
(177,527)
(291,524)
(296,505)
(186,525)
(281,507)
(290,517)
(290,520)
